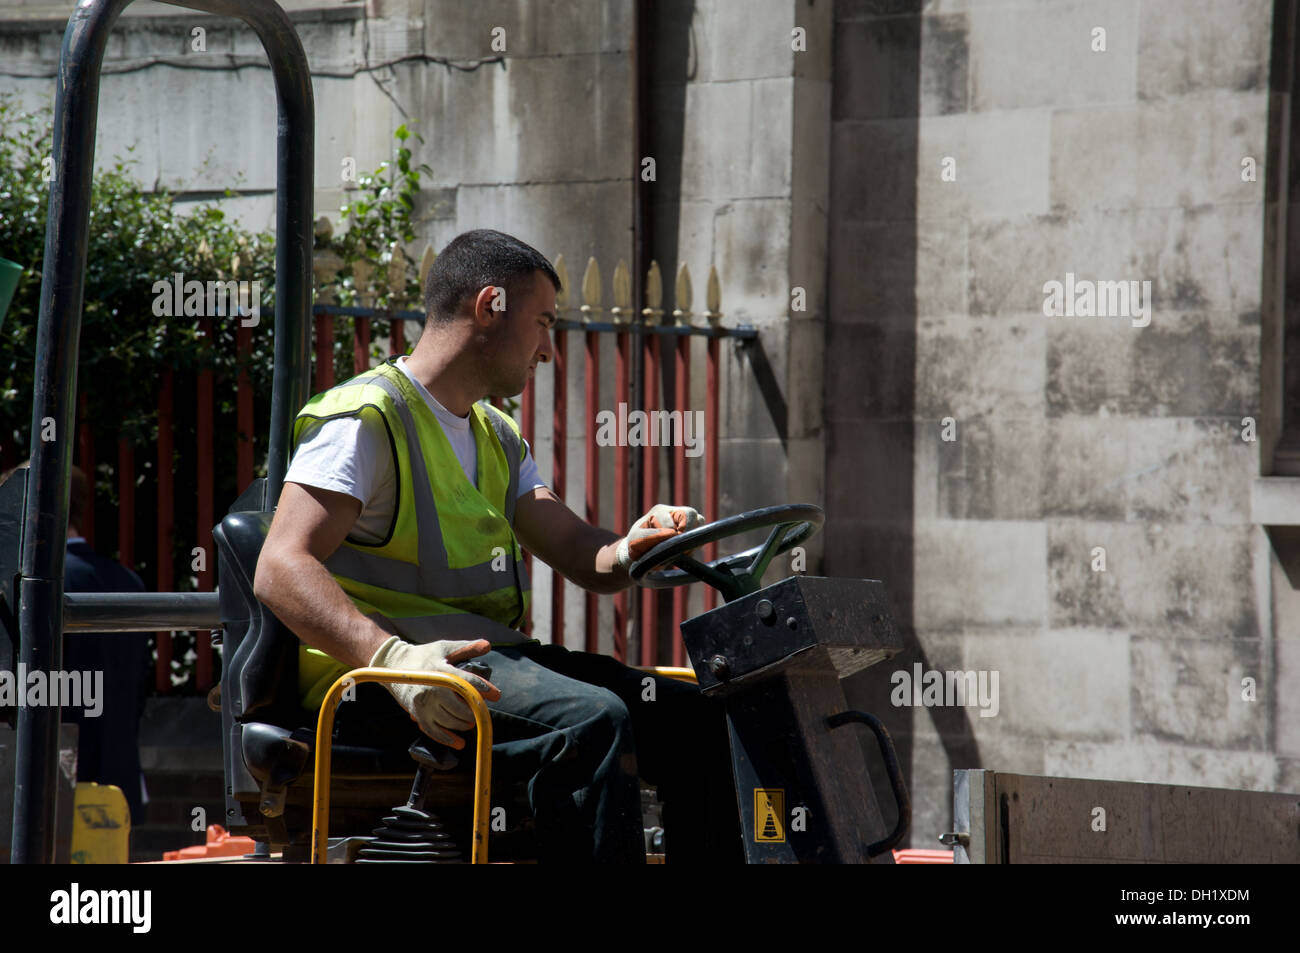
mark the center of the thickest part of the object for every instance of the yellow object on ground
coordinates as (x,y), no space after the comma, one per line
(101,825)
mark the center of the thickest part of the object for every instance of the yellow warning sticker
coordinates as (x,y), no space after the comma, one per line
(769,815)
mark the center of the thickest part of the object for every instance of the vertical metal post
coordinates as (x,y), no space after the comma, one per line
(621,476)
(681,478)
(126,504)
(559,449)
(165,527)
(681,483)
(206,504)
(397,337)
(649,496)
(58,337)
(244,408)
(361,345)
(86,451)
(590,310)
(651,314)
(324,352)
(711,458)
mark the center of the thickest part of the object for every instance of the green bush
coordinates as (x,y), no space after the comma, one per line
(137,238)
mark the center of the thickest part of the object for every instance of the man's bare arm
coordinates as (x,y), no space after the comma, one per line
(586,554)
(293,582)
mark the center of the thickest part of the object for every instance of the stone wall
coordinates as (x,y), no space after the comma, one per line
(1068,433)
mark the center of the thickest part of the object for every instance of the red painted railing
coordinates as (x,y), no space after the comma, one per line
(664,348)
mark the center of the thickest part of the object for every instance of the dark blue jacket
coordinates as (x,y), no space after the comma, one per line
(108,749)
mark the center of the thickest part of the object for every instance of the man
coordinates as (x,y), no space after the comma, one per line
(108,746)
(396,543)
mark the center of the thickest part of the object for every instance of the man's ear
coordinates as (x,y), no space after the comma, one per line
(489,304)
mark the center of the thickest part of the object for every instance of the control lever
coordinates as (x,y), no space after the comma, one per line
(431,755)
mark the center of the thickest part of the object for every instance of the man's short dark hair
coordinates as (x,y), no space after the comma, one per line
(473,261)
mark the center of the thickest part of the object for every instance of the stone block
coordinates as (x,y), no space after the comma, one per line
(1189,151)
(588,26)
(1283,702)
(1055,684)
(1191,580)
(870,372)
(1190,470)
(970,368)
(1208,258)
(1190,691)
(1161,764)
(1196,368)
(463,31)
(944,183)
(1192,46)
(749,42)
(874,170)
(810,165)
(1011,260)
(1096,152)
(1042,55)
(727,149)
(752,255)
(877,69)
(1000,748)
(805,377)
(817,62)
(587,98)
(929,786)
(1158,470)
(695,247)
(752,474)
(754,403)
(870,473)
(1084,465)
(579,220)
(992,471)
(980,573)
(984,165)
(888,273)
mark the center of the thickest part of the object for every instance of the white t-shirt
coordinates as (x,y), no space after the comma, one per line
(352,455)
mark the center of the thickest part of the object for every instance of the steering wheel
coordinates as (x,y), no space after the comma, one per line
(733,576)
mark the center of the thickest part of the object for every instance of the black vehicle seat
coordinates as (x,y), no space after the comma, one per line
(269,739)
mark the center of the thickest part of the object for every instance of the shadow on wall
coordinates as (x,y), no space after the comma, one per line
(871,347)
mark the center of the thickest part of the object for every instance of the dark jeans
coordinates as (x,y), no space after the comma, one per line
(577,729)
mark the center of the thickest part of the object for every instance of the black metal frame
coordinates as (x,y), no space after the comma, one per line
(41,612)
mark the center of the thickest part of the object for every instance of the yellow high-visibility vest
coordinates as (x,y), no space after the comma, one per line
(450,566)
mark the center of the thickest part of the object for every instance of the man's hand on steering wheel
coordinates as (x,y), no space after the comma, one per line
(662,523)
(736,575)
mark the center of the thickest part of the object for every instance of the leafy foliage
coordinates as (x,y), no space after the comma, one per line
(136,239)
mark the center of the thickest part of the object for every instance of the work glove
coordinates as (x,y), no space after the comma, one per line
(662,522)
(438,711)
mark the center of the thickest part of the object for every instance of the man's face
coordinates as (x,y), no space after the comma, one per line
(524,336)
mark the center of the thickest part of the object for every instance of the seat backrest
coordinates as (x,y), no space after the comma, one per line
(259,653)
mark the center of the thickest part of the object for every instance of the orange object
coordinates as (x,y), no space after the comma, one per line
(219,844)
(918,856)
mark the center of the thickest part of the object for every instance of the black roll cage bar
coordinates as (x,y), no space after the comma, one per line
(44,612)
